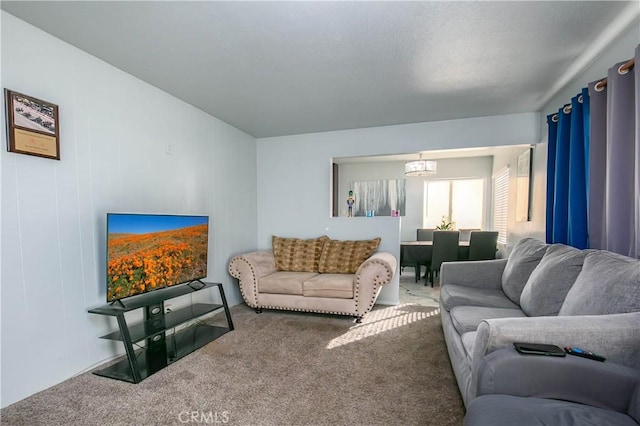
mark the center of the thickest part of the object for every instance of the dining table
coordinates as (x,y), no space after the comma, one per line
(419,253)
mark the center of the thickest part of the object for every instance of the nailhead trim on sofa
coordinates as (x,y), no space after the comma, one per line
(360,309)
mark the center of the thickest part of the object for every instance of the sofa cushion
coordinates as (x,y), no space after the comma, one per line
(552,279)
(609,283)
(344,257)
(468,318)
(452,295)
(295,255)
(284,282)
(522,260)
(329,285)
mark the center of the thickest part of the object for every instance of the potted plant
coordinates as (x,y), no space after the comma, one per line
(445,226)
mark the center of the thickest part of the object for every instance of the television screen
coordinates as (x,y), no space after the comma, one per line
(147,252)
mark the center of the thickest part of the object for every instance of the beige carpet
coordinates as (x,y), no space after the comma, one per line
(278,368)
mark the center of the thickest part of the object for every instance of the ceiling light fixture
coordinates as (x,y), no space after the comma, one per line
(420,167)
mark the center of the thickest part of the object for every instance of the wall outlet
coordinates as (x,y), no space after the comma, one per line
(169,149)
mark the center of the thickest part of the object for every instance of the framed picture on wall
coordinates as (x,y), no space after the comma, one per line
(379,197)
(32,125)
(523,186)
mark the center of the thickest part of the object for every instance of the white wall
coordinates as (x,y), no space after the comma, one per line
(449,168)
(294,197)
(535,227)
(113,133)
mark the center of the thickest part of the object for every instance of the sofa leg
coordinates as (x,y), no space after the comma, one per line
(258,310)
(358,320)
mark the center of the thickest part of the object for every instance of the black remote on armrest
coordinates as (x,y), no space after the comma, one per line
(584,354)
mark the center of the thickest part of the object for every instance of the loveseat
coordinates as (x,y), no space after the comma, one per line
(314,275)
(541,293)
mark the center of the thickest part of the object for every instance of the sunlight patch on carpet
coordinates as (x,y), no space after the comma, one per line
(382,320)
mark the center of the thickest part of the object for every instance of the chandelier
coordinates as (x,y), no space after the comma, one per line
(420,167)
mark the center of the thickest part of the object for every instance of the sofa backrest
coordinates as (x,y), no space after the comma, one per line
(522,260)
(609,283)
(551,280)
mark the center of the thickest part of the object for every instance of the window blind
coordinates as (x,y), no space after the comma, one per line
(501,203)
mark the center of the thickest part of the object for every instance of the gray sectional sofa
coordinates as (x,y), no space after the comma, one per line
(542,293)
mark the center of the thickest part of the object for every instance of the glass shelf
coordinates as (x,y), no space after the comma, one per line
(153,359)
(167,321)
(161,348)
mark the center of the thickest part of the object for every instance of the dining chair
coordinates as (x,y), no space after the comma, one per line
(424,234)
(445,249)
(406,260)
(483,245)
(465,233)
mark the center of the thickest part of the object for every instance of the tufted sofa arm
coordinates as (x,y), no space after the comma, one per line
(372,274)
(248,268)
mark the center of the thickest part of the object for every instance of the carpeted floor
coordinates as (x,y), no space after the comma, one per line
(278,368)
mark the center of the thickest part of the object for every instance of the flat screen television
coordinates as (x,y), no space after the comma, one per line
(147,252)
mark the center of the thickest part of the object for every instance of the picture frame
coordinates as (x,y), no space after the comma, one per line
(523,186)
(32,126)
(379,197)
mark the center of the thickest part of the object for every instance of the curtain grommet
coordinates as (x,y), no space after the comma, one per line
(599,86)
(622,70)
(626,67)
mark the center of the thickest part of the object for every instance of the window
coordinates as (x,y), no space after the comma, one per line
(501,203)
(459,201)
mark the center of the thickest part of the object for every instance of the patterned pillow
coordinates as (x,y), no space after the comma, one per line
(295,255)
(344,257)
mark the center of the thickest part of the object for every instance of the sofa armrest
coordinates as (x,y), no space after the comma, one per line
(599,384)
(372,274)
(248,268)
(478,274)
(616,336)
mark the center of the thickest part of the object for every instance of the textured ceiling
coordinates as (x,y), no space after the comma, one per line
(281,68)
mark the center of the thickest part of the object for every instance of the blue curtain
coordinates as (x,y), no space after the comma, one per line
(552,125)
(593,165)
(578,147)
(567,171)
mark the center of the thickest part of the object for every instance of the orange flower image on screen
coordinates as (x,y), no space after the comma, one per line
(143,262)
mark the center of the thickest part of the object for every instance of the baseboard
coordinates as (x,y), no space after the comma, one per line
(387,302)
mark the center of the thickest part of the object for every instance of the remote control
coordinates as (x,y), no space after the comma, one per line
(584,354)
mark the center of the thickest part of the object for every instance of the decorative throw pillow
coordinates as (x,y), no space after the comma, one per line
(608,284)
(295,255)
(552,279)
(344,257)
(523,259)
